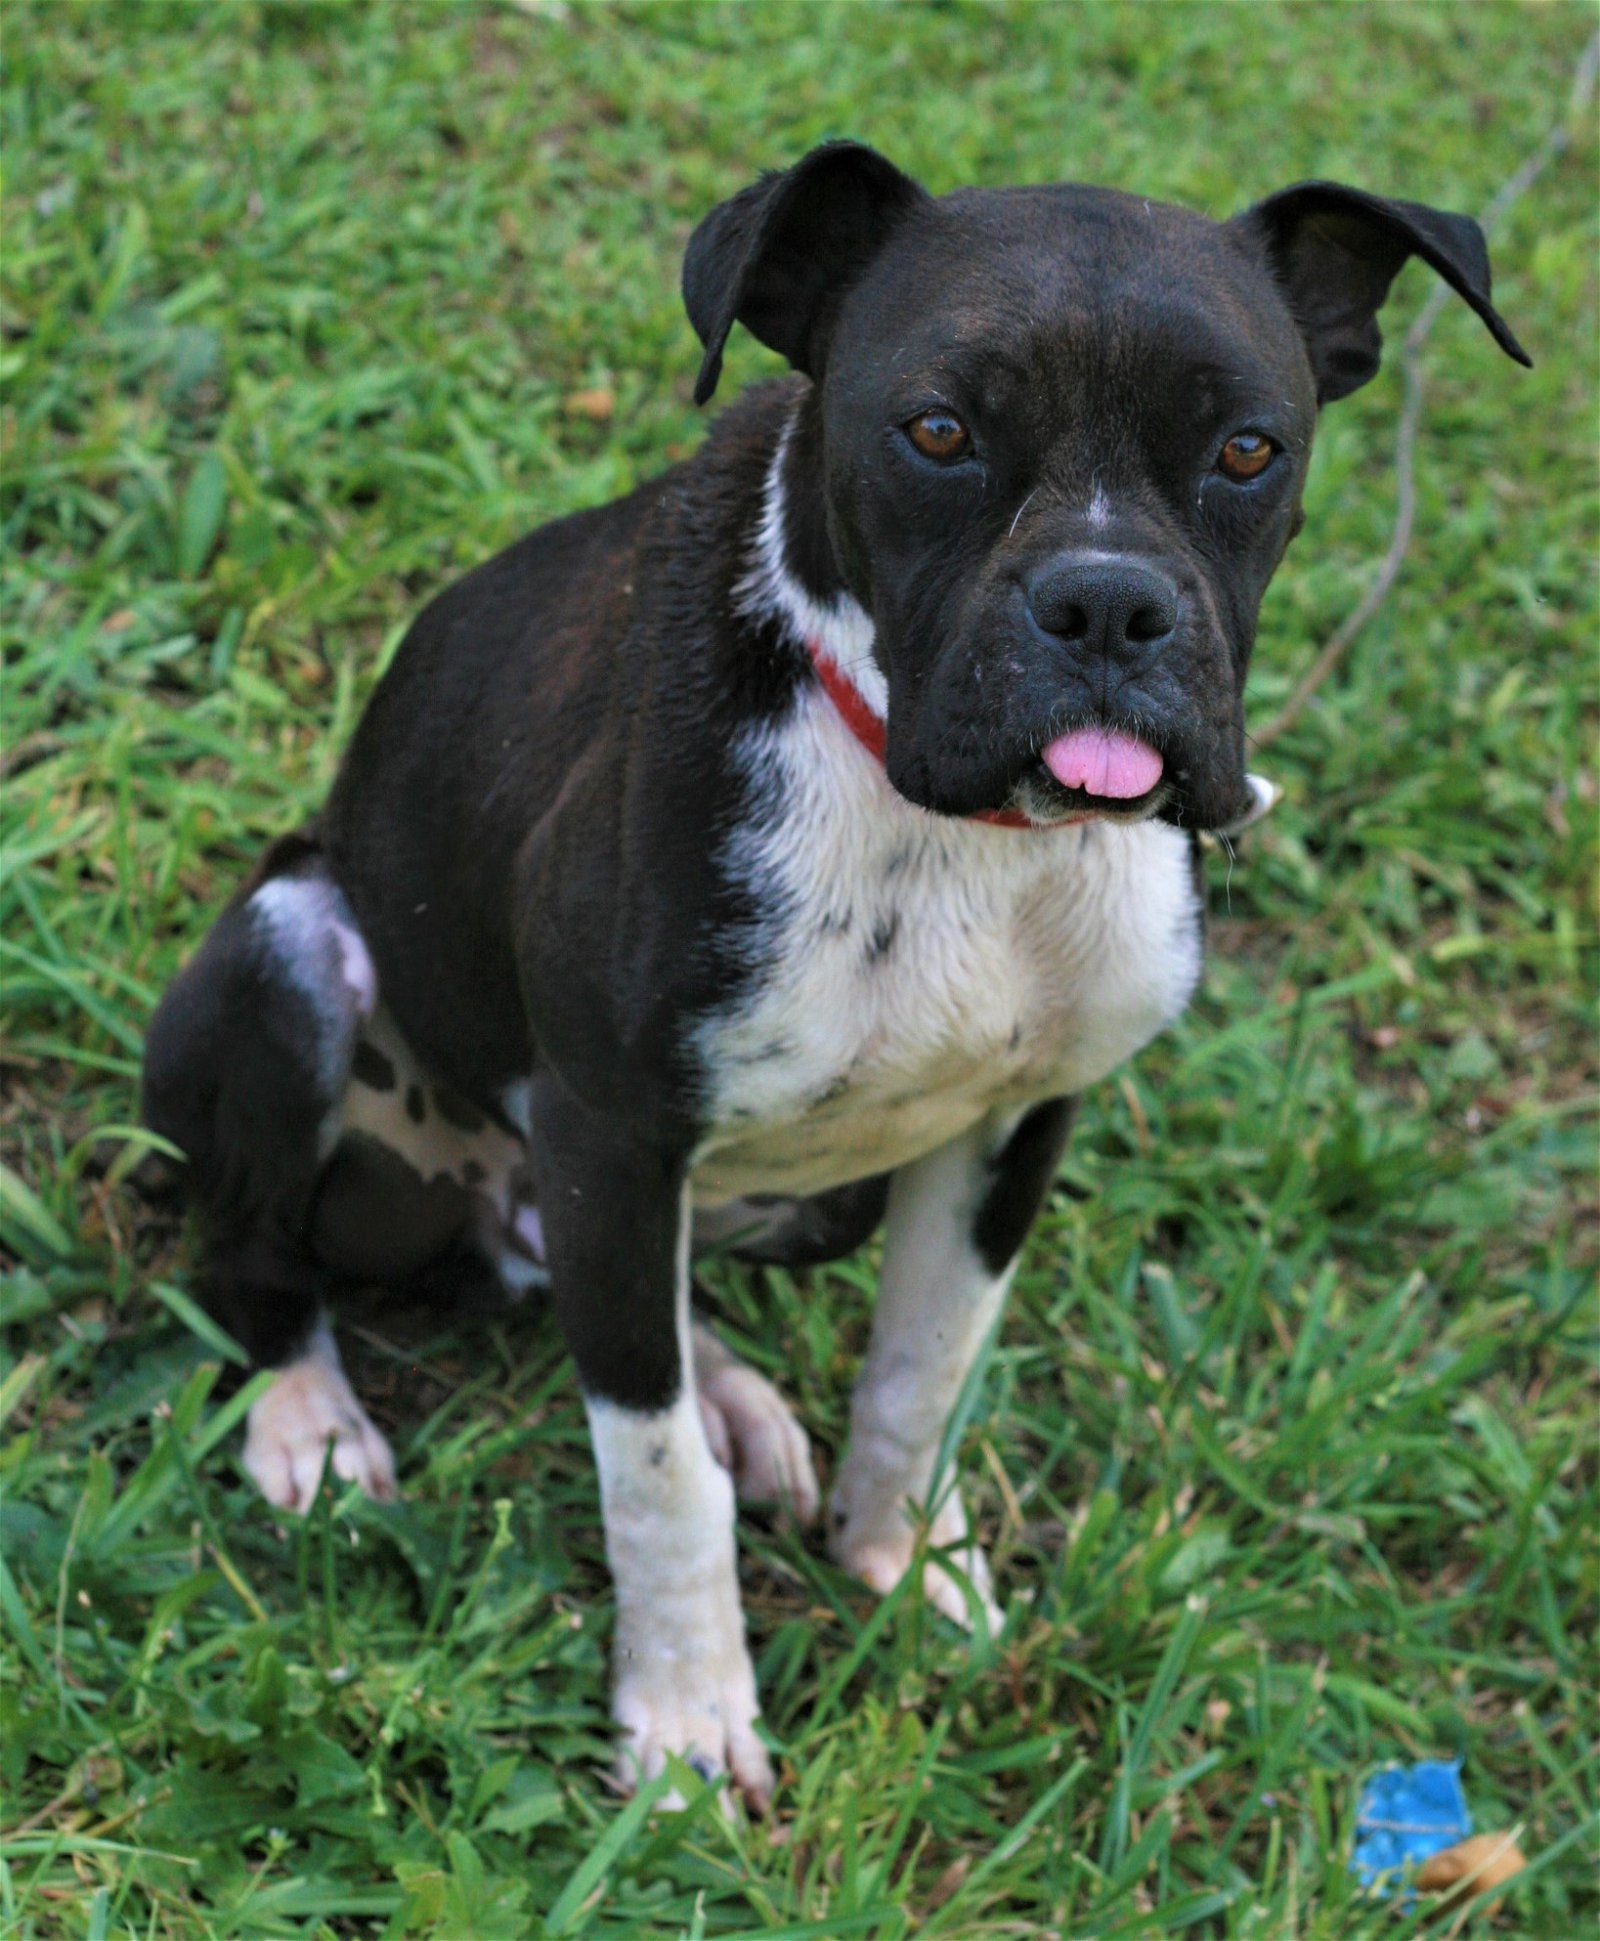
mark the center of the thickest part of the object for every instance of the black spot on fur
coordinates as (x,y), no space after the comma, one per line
(658,1455)
(369,1067)
(883,937)
(767,1054)
(415,1109)
(836,923)
(472,1172)
(453,1107)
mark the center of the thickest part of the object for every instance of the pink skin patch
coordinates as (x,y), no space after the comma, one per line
(530,1230)
(1102,762)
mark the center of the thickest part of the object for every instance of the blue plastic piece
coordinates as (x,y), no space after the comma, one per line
(1406,1814)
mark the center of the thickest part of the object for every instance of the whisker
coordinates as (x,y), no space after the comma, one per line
(1028,501)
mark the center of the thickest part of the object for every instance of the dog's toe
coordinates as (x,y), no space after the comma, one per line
(703,1714)
(881,1550)
(307,1410)
(753,1434)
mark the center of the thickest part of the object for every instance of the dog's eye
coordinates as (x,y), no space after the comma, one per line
(1246,456)
(939,434)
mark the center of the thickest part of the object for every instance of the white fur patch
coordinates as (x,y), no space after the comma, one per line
(309,1406)
(303,916)
(314,942)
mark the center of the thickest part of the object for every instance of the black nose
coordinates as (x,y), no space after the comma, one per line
(1104,602)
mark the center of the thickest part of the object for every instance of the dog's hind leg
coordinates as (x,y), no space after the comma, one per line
(246,1064)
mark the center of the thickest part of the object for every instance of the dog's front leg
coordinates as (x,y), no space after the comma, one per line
(616,1232)
(956,1222)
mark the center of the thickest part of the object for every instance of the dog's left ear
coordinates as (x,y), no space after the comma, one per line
(1335,251)
(778,255)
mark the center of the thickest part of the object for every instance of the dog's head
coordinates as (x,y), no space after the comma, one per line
(1059,436)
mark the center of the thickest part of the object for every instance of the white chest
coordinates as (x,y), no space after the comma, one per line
(922,971)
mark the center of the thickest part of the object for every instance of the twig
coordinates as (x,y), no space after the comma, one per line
(1556,142)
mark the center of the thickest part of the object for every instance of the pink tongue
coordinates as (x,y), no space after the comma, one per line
(1103,762)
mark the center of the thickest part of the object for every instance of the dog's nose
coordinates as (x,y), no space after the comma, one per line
(1107,603)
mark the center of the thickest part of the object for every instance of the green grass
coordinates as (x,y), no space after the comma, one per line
(1287,1451)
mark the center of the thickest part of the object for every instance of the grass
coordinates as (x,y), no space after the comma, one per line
(1287,1449)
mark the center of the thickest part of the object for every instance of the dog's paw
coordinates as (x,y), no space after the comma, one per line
(701,1709)
(754,1435)
(309,1406)
(878,1544)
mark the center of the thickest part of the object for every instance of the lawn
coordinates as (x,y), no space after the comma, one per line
(1286,1451)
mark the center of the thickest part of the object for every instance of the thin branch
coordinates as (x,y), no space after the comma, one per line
(1556,142)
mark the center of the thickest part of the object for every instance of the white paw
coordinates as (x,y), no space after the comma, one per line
(702,1708)
(753,1433)
(874,1537)
(307,1408)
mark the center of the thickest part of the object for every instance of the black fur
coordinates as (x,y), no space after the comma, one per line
(1020,1176)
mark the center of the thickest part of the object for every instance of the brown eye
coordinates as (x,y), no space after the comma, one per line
(1246,456)
(939,434)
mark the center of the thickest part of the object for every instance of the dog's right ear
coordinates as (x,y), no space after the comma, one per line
(779,255)
(1336,250)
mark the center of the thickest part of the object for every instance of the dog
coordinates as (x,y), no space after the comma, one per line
(780,850)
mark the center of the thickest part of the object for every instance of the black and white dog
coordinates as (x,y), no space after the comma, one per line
(778,850)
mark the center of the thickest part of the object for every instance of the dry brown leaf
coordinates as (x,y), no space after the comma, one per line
(1469,1867)
(598,403)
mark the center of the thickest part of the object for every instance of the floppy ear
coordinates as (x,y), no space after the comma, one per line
(1335,251)
(777,257)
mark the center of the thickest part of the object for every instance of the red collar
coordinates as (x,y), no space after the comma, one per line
(873,735)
